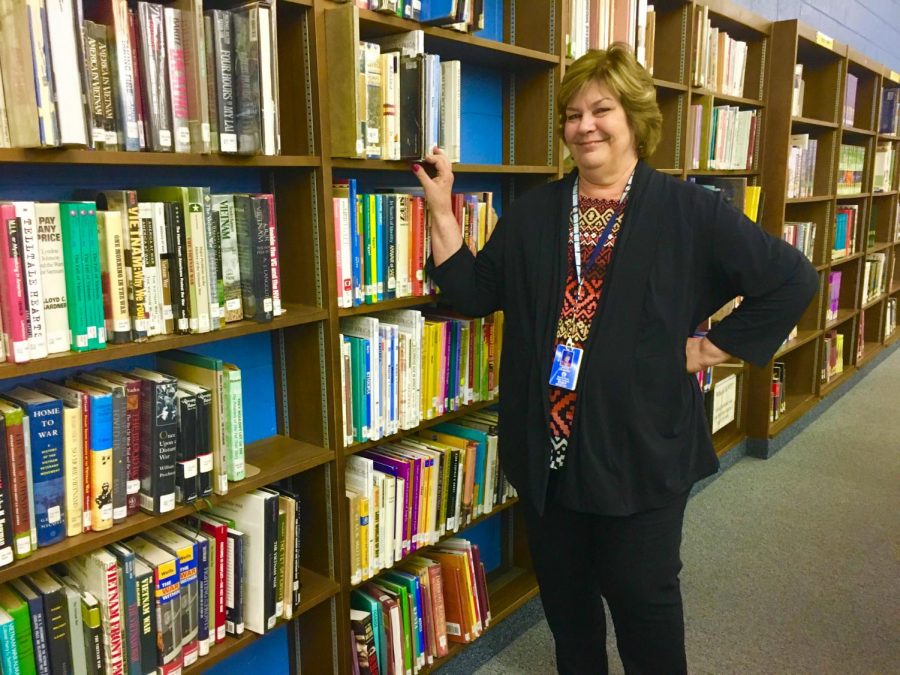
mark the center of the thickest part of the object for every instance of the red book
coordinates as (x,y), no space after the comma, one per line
(12,286)
(12,452)
(219,531)
(417,237)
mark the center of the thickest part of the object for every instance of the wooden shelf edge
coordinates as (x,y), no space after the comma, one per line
(803,337)
(826,388)
(795,412)
(853,195)
(722,172)
(667,84)
(425,424)
(874,301)
(497,510)
(883,193)
(879,246)
(892,338)
(814,122)
(807,200)
(276,457)
(846,259)
(398,303)
(870,352)
(843,316)
(856,131)
(295,315)
(360,164)
(740,100)
(164,159)
(318,589)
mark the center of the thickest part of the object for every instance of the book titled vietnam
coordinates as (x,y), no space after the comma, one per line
(159,438)
(223,206)
(128,599)
(46,431)
(146,602)
(251,221)
(9,657)
(17,608)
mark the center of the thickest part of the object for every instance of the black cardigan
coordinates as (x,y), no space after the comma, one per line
(639,436)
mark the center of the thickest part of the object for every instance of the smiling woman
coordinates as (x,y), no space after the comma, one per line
(602,277)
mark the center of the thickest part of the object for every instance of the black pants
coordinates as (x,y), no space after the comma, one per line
(633,562)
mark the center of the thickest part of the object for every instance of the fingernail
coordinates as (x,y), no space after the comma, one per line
(416,168)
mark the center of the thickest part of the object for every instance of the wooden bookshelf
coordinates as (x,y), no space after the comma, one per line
(105,158)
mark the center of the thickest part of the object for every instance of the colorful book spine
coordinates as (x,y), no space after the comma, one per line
(102,461)
(234,423)
(90,251)
(76,283)
(12,287)
(223,205)
(31,271)
(53,277)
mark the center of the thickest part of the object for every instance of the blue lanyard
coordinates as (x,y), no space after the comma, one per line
(604,236)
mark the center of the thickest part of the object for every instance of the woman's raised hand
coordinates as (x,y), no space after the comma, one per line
(438,189)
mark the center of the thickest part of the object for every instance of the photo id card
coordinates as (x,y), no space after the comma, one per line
(566,362)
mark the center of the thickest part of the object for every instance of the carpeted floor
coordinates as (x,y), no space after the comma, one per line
(791,564)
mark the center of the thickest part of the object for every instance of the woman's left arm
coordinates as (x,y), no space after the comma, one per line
(776,281)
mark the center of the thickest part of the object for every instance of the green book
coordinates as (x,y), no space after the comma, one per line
(399,591)
(366,603)
(411,584)
(9,653)
(93,282)
(234,422)
(76,284)
(17,608)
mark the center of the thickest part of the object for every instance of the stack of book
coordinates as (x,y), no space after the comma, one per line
(801,166)
(832,355)
(883,168)
(731,134)
(833,300)
(890,111)
(409,494)
(596,24)
(851,162)
(845,220)
(85,453)
(719,61)
(874,276)
(152,77)
(157,602)
(802,236)
(402,620)
(129,265)
(403,366)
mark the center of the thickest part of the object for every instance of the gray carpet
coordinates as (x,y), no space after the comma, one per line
(791,564)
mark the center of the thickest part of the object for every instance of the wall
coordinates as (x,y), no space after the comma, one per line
(869,26)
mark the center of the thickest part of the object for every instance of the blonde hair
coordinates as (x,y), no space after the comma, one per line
(629,82)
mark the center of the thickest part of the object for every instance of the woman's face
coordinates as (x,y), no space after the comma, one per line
(597,132)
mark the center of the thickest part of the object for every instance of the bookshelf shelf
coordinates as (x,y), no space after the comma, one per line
(889,193)
(810,122)
(879,246)
(295,315)
(446,417)
(314,590)
(855,195)
(870,351)
(104,158)
(843,316)
(803,336)
(888,137)
(895,287)
(451,44)
(508,592)
(725,98)
(499,508)
(401,303)
(843,260)
(721,172)
(854,131)
(892,338)
(797,407)
(666,84)
(401,165)
(827,387)
(874,301)
(275,457)
(809,200)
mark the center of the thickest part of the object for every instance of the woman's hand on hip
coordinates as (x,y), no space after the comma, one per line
(438,190)
(700,353)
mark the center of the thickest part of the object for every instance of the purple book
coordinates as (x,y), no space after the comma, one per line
(398,469)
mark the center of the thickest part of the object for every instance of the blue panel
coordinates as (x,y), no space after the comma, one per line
(493,21)
(481,113)
(52,182)
(487,535)
(268,654)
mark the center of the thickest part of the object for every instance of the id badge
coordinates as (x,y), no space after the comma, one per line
(566,362)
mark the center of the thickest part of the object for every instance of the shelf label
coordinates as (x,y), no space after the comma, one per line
(895,76)
(824,40)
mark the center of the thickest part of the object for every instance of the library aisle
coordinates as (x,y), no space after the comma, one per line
(790,564)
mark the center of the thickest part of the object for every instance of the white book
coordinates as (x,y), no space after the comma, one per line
(359,479)
(152,282)
(65,60)
(390,93)
(5,139)
(399,518)
(389,518)
(160,248)
(248,511)
(76,623)
(53,277)
(410,322)
(267,81)
(345,291)
(40,57)
(31,268)
(223,205)
(367,327)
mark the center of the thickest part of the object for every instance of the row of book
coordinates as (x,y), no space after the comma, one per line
(890,319)
(129,265)
(883,168)
(399,101)
(463,15)
(833,301)
(802,236)
(851,164)
(875,275)
(382,240)
(889,122)
(779,391)
(798,89)
(86,453)
(402,366)
(719,61)
(157,602)
(734,189)
(409,494)
(596,24)
(846,218)
(151,77)
(404,619)
(731,134)
(801,169)
(851,85)
(832,355)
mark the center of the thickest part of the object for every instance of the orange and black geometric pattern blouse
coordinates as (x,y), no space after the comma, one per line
(575,317)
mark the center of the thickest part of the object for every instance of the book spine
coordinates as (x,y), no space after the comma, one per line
(31,270)
(38,630)
(159,433)
(94,85)
(40,58)
(102,462)
(139,106)
(231,271)
(197,266)
(234,613)
(206,630)
(197,87)
(155,76)
(53,277)
(174,26)
(209,42)
(7,534)
(245,26)
(167,589)
(234,401)
(146,622)
(273,254)
(113,275)
(177,259)
(213,255)
(46,425)
(93,282)
(93,637)
(120,456)
(134,269)
(124,76)
(73,470)
(12,287)
(152,281)
(205,460)
(75,282)
(186,453)
(9,657)
(225,95)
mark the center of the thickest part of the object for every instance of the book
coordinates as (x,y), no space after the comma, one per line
(132,390)
(13,446)
(14,307)
(146,605)
(17,608)
(9,657)
(186,453)
(205,570)
(254,257)
(159,438)
(128,597)
(93,634)
(38,623)
(234,422)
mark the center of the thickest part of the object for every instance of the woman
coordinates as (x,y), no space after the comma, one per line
(616,264)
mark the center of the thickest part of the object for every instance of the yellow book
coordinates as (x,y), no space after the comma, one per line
(74,469)
(354,557)
(364,536)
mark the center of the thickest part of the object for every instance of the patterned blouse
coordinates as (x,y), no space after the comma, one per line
(575,318)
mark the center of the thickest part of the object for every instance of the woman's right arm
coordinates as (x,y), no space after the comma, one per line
(472,284)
